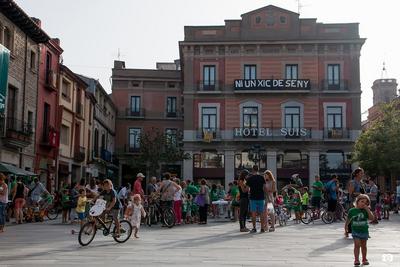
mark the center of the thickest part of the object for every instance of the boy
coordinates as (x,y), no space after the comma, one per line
(81,206)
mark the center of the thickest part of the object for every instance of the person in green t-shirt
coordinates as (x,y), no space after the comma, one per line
(317,187)
(358,220)
(304,198)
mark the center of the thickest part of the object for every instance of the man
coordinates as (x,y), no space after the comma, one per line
(137,186)
(152,187)
(332,188)
(372,192)
(256,183)
(113,205)
(3,201)
(36,191)
(398,196)
(317,187)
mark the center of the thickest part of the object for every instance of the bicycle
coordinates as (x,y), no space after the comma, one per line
(156,212)
(282,214)
(95,222)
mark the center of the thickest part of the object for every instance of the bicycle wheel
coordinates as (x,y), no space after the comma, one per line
(87,233)
(52,213)
(307,217)
(327,217)
(125,231)
(169,217)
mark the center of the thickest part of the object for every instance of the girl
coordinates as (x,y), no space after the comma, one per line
(386,205)
(296,205)
(66,205)
(358,218)
(270,185)
(134,213)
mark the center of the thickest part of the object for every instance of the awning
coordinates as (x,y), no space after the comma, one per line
(8,168)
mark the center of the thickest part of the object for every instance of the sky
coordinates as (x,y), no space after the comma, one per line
(94,32)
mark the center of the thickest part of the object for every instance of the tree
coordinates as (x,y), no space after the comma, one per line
(377,149)
(157,148)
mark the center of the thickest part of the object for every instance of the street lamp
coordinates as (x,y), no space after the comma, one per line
(256,154)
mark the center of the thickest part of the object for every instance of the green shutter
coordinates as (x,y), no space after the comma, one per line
(4,61)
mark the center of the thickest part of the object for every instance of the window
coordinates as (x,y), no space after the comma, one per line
(334,117)
(96,143)
(12,101)
(135,104)
(209,118)
(46,121)
(134,139)
(332,160)
(48,68)
(250,72)
(250,117)
(171,135)
(293,160)
(66,90)
(8,38)
(208,160)
(292,117)
(64,138)
(291,72)
(33,60)
(171,106)
(209,77)
(244,161)
(333,76)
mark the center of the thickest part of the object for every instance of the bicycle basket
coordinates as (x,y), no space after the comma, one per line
(98,208)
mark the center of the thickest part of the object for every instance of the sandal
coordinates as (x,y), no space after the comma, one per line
(357,263)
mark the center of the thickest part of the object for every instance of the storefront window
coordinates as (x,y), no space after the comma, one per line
(332,161)
(208,160)
(292,160)
(243,161)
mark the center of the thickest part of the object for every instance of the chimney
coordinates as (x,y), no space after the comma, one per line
(37,21)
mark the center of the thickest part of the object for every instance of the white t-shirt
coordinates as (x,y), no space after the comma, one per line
(178,195)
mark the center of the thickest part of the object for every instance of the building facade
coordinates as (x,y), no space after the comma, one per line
(145,99)
(47,135)
(21,36)
(274,90)
(73,143)
(102,161)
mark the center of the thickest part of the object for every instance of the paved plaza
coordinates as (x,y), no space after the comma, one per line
(215,244)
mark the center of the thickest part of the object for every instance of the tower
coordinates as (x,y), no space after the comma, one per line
(384,89)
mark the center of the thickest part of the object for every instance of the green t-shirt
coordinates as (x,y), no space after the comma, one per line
(316,192)
(213,195)
(304,199)
(234,191)
(359,220)
(191,189)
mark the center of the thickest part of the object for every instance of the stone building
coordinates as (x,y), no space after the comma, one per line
(21,36)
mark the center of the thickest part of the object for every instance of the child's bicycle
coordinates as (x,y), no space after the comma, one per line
(95,222)
(282,214)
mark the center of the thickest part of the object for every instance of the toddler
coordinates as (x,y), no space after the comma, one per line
(134,213)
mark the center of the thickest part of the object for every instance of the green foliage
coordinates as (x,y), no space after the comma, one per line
(377,149)
(156,148)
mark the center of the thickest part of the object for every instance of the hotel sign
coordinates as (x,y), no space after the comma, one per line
(273,84)
(269,132)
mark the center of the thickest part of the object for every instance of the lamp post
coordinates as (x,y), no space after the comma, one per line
(256,153)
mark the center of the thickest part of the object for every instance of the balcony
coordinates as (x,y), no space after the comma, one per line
(130,148)
(173,114)
(79,154)
(79,110)
(207,86)
(336,133)
(334,85)
(17,134)
(106,155)
(50,137)
(208,134)
(129,113)
(51,80)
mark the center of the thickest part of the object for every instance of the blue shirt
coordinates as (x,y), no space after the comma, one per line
(331,188)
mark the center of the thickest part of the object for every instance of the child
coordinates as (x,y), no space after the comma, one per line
(81,206)
(358,219)
(66,205)
(386,205)
(304,199)
(134,212)
(296,205)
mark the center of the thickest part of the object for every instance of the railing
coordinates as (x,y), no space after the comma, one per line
(173,114)
(49,136)
(336,133)
(131,149)
(79,154)
(79,109)
(208,134)
(51,80)
(209,85)
(135,113)
(334,85)
(18,126)
(106,155)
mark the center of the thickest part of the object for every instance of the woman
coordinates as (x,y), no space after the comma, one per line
(3,201)
(178,203)
(270,185)
(243,201)
(214,197)
(19,194)
(204,194)
(92,188)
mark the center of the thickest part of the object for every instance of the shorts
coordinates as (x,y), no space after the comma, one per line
(361,236)
(19,203)
(257,206)
(114,213)
(316,202)
(332,203)
(81,215)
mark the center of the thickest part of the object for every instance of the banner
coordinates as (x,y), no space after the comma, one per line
(4,61)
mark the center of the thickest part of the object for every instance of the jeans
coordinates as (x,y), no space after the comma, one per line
(2,213)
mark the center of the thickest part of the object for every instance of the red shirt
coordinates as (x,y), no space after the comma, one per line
(137,188)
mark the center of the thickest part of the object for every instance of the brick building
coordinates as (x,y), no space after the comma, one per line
(272,89)
(21,36)
(145,99)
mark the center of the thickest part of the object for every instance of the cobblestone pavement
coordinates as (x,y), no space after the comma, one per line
(215,244)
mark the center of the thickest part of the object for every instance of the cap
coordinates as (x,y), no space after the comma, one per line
(140,175)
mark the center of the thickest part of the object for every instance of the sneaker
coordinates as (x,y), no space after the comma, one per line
(244,230)
(357,263)
(365,262)
(254,230)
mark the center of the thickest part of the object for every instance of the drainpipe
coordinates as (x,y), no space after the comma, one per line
(23,95)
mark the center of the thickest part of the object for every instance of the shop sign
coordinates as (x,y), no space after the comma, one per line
(269,132)
(273,84)
(4,62)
